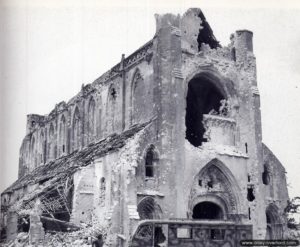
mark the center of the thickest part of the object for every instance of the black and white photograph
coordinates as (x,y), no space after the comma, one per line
(141,123)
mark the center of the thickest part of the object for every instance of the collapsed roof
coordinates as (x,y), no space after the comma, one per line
(65,166)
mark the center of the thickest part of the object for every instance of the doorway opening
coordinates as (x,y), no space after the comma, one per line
(208,211)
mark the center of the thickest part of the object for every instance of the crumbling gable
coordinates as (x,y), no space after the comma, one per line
(164,148)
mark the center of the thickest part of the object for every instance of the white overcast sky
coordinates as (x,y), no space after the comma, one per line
(49,48)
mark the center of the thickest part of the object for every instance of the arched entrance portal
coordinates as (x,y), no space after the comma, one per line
(214,194)
(274,225)
(208,211)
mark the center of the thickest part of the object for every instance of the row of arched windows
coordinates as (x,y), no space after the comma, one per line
(53,146)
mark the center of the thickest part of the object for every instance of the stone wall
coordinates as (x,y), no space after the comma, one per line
(111,104)
(165,172)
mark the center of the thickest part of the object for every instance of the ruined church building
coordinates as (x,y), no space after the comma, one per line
(164,148)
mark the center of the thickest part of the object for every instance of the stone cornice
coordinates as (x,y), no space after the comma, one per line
(220,121)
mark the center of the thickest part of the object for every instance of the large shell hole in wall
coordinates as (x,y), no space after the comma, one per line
(113,93)
(202,98)
(250,194)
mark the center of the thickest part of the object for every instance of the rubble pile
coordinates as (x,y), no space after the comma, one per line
(21,240)
(83,237)
(68,239)
(51,174)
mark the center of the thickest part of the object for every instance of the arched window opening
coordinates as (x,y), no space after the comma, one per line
(203,97)
(233,54)
(152,236)
(111,108)
(149,209)
(76,129)
(208,211)
(102,183)
(150,161)
(42,148)
(100,123)
(32,148)
(137,98)
(62,135)
(266,175)
(33,153)
(51,154)
(102,191)
(274,226)
(269,233)
(99,119)
(91,124)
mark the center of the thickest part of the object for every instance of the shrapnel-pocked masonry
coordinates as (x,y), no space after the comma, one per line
(164,149)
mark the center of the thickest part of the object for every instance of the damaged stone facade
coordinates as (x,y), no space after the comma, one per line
(164,148)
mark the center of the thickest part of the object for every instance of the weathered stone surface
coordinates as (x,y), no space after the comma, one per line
(36,231)
(172,133)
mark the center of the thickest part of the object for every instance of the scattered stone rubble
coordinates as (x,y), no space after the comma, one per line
(84,237)
(188,149)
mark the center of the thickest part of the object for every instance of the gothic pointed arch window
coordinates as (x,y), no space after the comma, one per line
(102,191)
(76,129)
(42,148)
(62,135)
(266,175)
(151,160)
(99,120)
(91,124)
(137,98)
(148,208)
(51,149)
(33,159)
(111,108)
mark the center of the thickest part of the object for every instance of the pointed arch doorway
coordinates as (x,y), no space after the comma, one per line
(214,194)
